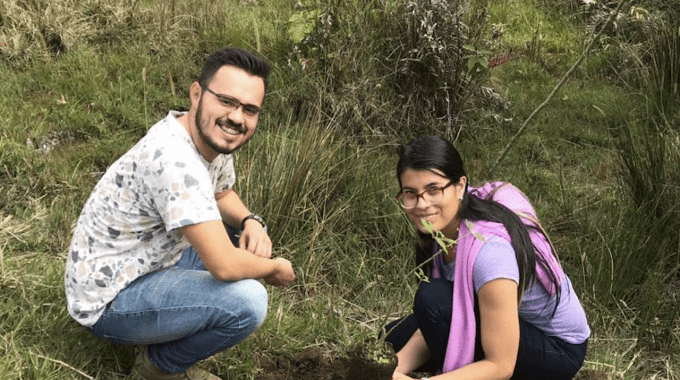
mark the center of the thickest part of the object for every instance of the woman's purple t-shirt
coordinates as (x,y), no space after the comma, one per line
(496,259)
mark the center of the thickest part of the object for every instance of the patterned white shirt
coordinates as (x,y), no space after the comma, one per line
(130,223)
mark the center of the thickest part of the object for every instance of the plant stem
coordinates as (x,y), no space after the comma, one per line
(557,88)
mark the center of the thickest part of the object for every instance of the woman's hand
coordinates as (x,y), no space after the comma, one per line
(400,376)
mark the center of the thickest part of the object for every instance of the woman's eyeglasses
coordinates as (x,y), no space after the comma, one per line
(432,195)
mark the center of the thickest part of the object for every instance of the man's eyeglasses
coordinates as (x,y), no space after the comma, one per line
(432,195)
(233,104)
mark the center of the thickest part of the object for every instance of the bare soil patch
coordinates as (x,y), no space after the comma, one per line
(591,374)
(310,364)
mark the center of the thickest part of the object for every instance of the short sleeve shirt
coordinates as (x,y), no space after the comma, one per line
(496,259)
(130,225)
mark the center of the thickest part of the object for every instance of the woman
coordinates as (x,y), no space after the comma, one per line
(497,304)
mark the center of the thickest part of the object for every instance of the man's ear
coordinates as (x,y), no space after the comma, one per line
(195,92)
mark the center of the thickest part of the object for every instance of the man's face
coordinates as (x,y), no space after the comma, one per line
(223,124)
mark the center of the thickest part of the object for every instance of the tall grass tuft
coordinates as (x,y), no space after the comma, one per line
(653,191)
(660,71)
(645,237)
(41,30)
(328,200)
(309,180)
(639,260)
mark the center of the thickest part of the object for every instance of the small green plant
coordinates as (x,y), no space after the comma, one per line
(302,24)
(477,60)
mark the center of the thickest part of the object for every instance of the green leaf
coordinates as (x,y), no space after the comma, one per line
(420,275)
(471,63)
(438,236)
(477,235)
(301,24)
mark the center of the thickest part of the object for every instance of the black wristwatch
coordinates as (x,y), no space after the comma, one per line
(256,217)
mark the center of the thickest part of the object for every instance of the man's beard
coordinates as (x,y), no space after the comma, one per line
(201,127)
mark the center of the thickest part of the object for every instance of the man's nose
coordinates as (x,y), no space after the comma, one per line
(236,116)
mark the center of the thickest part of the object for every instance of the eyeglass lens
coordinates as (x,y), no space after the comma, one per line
(431,196)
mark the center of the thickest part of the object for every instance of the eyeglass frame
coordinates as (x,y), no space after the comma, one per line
(249,110)
(422,195)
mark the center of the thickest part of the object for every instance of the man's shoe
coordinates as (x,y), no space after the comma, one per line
(145,369)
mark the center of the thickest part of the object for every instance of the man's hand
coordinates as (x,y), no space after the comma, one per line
(284,274)
(254,239)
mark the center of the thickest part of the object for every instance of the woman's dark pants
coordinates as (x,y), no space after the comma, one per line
(539,357)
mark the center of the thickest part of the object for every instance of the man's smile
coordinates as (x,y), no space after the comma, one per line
(229,128)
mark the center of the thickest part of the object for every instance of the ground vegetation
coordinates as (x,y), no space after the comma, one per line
(84,80)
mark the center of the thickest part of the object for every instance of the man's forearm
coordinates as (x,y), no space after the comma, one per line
(231,208)
(254,236)
(224,261)
(228,263)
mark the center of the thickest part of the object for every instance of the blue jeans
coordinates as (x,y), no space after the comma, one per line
(183,313)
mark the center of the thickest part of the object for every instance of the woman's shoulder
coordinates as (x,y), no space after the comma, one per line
(487,189)
(496,189)
(506,194)
(496,259)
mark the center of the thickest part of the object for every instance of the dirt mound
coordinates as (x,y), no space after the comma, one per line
(310,364)
(591,374)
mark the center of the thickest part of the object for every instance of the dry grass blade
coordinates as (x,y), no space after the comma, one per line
(12,229)
(64,364)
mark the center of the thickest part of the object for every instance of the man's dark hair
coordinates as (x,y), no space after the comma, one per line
(229,56)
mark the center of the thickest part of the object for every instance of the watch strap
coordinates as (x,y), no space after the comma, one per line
(253,216)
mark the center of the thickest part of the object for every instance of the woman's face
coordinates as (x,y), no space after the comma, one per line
(444,214)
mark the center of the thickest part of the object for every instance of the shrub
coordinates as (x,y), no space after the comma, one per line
(390,68)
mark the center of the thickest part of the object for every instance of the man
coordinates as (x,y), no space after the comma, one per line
(150,262)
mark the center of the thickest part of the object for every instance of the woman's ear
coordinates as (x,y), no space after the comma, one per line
(461,186)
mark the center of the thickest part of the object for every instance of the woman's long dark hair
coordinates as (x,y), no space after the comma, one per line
(433,152)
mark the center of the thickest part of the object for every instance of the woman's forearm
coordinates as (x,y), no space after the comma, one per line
(480,370)
(414,354)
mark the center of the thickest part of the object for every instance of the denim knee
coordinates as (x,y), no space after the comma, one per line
(253,299)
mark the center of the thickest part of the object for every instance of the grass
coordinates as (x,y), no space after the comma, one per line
(320,169)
